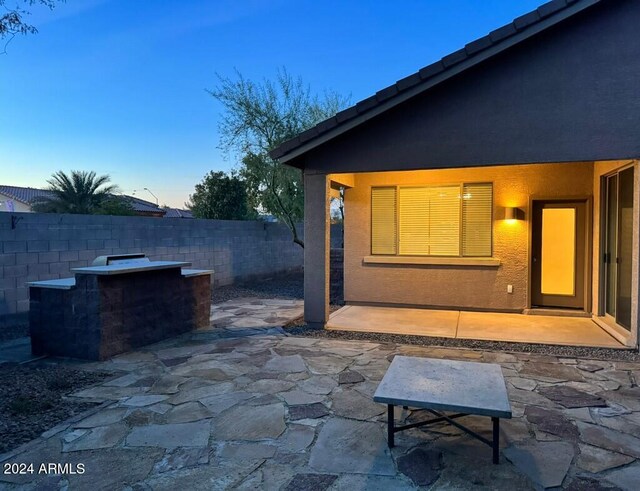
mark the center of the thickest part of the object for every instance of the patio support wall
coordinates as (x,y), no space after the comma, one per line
(316,249)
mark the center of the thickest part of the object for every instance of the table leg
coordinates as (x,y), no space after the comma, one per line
(390,426)
(496,440)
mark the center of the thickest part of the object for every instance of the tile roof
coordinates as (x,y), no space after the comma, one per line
(24,195)
(549,13)
(177,213)
(28,195)
(143,206)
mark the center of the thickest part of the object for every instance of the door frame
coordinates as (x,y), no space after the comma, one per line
(604,320)
(588,266)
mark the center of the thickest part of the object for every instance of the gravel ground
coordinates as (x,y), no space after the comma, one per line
(32,399)
(285,287)
(297,327)
(14,331)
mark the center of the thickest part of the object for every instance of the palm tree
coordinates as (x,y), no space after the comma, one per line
(81,192)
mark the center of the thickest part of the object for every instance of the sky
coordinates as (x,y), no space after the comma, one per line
(119,86)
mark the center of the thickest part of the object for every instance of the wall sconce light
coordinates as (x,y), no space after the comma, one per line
(512,213)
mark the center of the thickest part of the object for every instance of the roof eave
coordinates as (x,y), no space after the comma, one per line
(288,156)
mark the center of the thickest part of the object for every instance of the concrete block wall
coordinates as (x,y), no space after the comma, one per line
(37,246)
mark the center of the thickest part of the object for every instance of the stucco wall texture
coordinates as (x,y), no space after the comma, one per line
(467,287)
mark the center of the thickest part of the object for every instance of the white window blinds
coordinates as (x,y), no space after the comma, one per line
(383,221)
(444,221)
(429,221)
(414,221)
(477,219)
(453,220)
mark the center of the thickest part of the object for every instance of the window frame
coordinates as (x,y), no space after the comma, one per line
(461,186)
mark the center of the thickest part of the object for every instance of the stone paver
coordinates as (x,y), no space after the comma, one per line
(250,423)
(170,435)
(311,482)
(551,422)
(351,404)
(350,377)
(610,439)
(308,411)
(182,457)
(352,446)
(96,438)
(318,385)
(571,398)
(286,364)
(299,397)
(240,405)
(422,466)
(297,438)
(102,418)
(545,463)
(187,412)
(141,401)
(594,459)
(626,478)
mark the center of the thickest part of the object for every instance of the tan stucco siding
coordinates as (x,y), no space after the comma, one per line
(458,286)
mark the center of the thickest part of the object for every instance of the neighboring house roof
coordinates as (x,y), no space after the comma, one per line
(24,195)
(477,51)
(142,206)
(28,195)
(177,213)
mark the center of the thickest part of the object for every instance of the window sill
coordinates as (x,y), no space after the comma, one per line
(436,261)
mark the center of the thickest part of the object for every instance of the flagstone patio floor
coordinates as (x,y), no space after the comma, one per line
(242,405)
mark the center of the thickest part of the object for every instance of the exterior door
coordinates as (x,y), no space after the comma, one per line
(559,255)
(618,246)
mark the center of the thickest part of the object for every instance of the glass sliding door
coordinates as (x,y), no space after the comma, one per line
(625,247)
(610,254)
(618,246)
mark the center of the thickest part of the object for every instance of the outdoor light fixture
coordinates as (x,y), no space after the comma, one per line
(512,213)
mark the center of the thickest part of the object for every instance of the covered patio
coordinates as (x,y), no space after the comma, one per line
(486,326)
(498,179)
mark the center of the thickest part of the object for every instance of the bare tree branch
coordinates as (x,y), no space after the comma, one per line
(257,118)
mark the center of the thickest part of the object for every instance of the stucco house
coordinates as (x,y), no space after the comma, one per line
(503,177)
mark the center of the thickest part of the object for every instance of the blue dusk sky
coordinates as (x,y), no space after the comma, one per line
(118,86)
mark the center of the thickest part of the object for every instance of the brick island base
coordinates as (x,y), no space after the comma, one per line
(97,316)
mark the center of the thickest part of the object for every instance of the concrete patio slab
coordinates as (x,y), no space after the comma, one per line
(574,331)
(487,326)
(390,320)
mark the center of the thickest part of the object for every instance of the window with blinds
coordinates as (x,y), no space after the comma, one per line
(453,220)
(477,219)
(383,221)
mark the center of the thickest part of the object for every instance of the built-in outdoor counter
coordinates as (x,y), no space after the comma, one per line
(118,304)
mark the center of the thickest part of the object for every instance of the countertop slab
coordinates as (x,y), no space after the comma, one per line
(130,268)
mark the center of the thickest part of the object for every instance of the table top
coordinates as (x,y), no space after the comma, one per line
(445,385)
(132,267)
